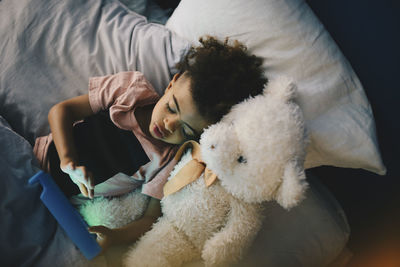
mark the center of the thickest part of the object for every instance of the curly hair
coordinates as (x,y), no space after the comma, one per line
(222,75)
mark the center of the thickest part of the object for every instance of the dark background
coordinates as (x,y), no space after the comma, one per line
(368,34)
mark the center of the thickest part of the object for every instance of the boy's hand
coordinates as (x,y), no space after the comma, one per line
(81,177)
(106,237)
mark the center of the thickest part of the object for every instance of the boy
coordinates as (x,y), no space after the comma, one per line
(212,78)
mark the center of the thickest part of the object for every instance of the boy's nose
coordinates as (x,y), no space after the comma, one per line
(170,124)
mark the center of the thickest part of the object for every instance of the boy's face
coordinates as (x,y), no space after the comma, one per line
(175,118)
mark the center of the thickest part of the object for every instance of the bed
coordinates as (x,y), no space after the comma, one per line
(51,48)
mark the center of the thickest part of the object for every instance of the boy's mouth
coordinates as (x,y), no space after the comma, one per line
(157,131)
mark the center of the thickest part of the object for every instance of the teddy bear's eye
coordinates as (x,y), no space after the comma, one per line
(241,159)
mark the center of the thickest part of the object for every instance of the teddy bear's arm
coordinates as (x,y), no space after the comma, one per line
(231,242)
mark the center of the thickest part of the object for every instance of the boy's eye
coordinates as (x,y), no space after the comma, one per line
(170,109)
(187,135)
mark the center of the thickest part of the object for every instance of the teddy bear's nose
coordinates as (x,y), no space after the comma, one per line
(212,146)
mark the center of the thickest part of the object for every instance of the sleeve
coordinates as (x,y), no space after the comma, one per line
(120,93)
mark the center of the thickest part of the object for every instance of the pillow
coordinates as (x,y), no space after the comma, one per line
(49,58)
(294,43)
(320,241)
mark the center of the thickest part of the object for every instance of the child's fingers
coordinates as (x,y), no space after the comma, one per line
(82,177)
(91,179)
(101,229)
(87,177)
(104,235)
(90,193)
(72,165)
(89,182)
(83,189)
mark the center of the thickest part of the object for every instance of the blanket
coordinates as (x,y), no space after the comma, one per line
(30,235)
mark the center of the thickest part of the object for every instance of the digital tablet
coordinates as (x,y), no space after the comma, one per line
(66,215)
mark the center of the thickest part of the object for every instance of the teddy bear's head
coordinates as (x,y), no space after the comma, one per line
(258,149)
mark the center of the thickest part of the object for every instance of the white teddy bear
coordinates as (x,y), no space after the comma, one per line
(257,151)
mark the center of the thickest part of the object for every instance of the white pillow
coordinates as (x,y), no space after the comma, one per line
(293,42)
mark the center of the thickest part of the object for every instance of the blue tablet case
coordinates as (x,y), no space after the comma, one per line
(66,215)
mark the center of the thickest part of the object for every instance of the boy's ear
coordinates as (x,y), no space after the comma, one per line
(173,80)
(176,76)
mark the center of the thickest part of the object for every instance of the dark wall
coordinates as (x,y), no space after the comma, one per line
(368,33)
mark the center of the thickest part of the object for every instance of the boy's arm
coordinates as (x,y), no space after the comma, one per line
(62,117)
(131,232)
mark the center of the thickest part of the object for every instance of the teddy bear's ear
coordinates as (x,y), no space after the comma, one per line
(293,186)
(281,87)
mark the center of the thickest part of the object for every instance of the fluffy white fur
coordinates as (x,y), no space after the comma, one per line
(113,212)
(257,151)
